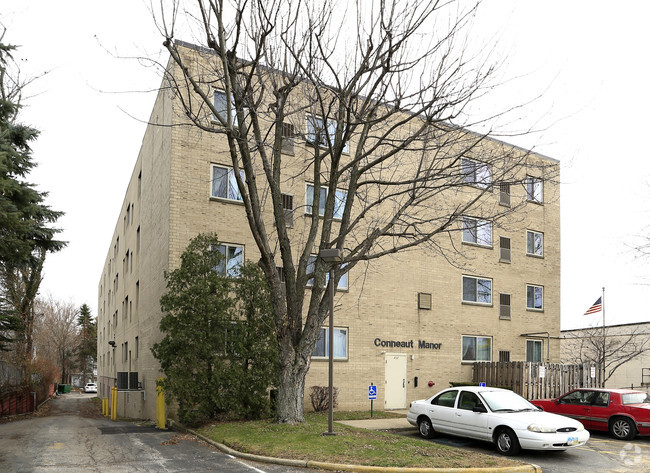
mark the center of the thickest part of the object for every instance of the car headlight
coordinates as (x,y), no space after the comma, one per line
(541,429)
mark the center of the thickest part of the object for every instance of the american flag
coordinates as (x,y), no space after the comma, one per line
(596,307)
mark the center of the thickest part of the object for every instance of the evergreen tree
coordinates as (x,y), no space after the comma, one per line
(25,234)
(218,353)
(87,350)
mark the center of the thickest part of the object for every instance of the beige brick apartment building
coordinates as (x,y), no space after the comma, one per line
(409,323)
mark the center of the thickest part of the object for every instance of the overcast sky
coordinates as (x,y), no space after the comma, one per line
(586,58)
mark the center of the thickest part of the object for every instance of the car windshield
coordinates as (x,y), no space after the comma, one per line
(506,401)
(635,398)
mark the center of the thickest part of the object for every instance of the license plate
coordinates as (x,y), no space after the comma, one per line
(572,441)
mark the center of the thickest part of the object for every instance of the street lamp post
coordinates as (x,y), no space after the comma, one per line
(331,256)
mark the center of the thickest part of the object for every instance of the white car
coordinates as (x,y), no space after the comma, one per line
(495,415)
(90,388)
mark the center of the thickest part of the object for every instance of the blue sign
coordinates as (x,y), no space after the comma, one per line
(372,393)
(481,384)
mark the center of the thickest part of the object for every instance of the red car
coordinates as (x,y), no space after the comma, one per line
(623,412)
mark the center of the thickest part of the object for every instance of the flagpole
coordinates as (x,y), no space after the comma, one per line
(604,338)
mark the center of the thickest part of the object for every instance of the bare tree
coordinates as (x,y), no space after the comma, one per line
(605,346)
(19,287)
(383,88)
(57,334)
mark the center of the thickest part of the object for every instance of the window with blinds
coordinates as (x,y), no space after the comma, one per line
(504,249)
(504,306)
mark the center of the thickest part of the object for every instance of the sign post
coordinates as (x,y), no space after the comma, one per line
(372,395)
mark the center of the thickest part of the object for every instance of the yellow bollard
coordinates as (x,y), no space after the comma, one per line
(104,406)
(113,403)
(160,405)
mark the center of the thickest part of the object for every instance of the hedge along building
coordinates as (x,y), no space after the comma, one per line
(484,286)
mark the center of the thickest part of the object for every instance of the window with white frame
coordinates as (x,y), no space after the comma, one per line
(343,281)
(221,106)
(534,350)
(232,258)
(477,231)
(475,172)
(477,348)
(316,132)
(478,290)
(534,243)
(224,183)
(339,200)
(534,189)
(321,349)
(534,297)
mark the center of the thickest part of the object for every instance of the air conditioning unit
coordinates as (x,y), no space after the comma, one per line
(127,380)
(133,380)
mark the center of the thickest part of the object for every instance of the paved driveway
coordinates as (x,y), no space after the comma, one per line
(71,437)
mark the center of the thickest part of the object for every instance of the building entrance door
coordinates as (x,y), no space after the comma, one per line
(395,374)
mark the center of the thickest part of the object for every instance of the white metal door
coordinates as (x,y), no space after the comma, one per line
(395,392)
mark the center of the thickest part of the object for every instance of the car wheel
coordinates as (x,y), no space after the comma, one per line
(507,442)
(425,427)
(622,428)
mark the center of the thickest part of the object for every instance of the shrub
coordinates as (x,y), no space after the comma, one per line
(320,397)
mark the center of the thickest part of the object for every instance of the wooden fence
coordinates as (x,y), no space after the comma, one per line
(537,380)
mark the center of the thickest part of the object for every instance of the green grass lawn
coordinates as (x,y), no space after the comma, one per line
(350,446)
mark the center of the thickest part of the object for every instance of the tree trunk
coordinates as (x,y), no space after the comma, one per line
(291,388)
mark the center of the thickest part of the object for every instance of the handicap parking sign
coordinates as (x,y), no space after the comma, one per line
(372,393)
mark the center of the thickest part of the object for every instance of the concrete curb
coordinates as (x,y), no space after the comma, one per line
(530,468)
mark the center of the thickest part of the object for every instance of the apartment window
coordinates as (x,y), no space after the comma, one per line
(137,239)
(534,297)
(126,352)
(231,261)
(288,134)
(504,194)
(316,133)
(534,243)
(339,201)
(224,183)
(139,184)
(504,356)
(321,349)
(504,249)
(534,189)
(287,206)
(477,231)
(477,290)
(221,106)
(477,348)
(137,347)
(311,263)
(534,350)
(504,306)
(475,173)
